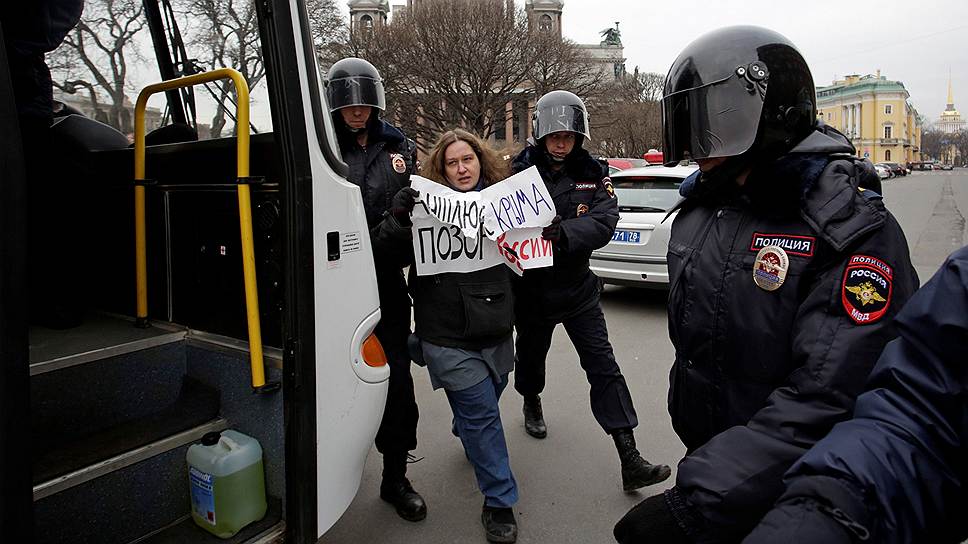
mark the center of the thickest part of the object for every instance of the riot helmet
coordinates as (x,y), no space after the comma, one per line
(354,82)
(560,111)
(740,90)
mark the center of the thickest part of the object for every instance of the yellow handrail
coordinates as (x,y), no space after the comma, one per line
(245,205)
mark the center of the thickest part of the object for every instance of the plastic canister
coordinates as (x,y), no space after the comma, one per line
(227,482)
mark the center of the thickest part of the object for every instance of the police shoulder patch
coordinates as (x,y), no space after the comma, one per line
(607,183)
(867,288)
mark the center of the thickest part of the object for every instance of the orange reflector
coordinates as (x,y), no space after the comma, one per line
(373,354)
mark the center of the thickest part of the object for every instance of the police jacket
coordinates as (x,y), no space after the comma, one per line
(381,169)
(471,310)
(896,471)
(782,295)
(585,201)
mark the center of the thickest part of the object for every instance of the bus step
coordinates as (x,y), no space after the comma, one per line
(267,530)
(195,405)
(122,498)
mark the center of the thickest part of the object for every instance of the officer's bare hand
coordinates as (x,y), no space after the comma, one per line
(403,203)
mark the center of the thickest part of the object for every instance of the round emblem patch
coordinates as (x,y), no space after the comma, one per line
(867,289)
(399,165)
(582,209)
(770,268)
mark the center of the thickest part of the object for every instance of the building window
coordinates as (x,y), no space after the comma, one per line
(888,109)
(887,155)
(366,22)
(888,132)
(544,24)
(830,116)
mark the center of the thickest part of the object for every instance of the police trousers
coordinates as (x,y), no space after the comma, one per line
(611,400)
(398,430)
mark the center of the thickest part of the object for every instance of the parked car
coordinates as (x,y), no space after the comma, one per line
(636,256)
(947,167)
(883,172)
(895,168)
(624,164)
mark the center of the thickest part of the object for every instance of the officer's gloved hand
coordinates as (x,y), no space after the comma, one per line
(553,232)
(649,521)
(402,204)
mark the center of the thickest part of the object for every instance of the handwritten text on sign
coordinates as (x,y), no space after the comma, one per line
(451,233)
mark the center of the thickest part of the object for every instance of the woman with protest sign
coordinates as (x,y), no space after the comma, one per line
(568,293)
(462,333)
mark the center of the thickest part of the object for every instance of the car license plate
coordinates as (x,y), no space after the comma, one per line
(627,236)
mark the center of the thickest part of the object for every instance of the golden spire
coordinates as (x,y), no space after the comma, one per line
(951,94)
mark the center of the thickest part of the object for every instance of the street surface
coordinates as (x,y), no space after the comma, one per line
(570,482)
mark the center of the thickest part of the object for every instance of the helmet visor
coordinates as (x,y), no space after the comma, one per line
(715,120)
(355,91)
(563,118)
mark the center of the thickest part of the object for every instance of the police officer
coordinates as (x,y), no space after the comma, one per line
(568,292)
(380,159)
(786,272)
(895,473)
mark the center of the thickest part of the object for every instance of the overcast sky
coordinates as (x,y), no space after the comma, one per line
(913,42)
(916,42)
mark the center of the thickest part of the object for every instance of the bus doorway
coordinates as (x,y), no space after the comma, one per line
(102,414)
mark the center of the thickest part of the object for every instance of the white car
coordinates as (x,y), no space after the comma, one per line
(636,256)
(883,172)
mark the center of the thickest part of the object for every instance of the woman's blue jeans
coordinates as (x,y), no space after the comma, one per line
(477,421)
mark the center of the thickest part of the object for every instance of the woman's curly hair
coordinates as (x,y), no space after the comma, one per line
(494,167)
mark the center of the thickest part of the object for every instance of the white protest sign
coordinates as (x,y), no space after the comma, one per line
(520,201)
(447,226)
(524,249)
(449,206)
(440,247)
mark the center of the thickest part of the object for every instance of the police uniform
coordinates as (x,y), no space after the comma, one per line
(786,271)
(381,169)
(568,292)
(895,472)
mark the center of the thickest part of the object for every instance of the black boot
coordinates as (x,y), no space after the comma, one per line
(533,417)
(636,472)
(396,489)
(499,524)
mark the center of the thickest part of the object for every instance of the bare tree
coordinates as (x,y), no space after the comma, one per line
(326,23)
(559,64)
(226,35)
(94,57)
(932,142)
(631,124)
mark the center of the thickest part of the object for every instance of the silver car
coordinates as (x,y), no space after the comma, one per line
(636,256)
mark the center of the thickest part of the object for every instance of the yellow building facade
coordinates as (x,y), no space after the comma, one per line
(875,113)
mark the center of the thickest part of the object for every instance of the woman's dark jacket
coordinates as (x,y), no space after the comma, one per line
(471,310)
